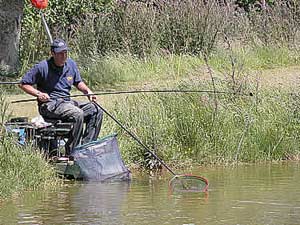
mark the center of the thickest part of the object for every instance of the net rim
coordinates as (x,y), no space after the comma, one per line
(205,189)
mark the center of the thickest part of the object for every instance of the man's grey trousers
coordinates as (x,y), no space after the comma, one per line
(78,113)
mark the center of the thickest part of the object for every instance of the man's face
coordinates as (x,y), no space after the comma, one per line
(60,58)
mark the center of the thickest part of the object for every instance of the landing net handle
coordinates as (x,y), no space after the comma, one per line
(42,4)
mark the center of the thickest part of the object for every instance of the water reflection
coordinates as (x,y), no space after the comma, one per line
(93,203)
(80,203)
(248,194)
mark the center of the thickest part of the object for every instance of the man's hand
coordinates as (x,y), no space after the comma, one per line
(81,86)
(43,97)
(92,97)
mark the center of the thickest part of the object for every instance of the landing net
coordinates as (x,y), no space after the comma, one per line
(101,160)
(188,183)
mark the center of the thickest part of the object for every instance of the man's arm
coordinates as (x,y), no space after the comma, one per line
(29,89)
(81,86)
(30,78)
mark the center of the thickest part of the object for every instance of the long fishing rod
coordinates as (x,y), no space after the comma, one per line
(138,91)
(9,82)
(46,27)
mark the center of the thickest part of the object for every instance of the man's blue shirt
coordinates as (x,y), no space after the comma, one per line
(53,80)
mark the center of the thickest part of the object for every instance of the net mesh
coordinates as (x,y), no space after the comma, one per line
(101,160)
(188,183)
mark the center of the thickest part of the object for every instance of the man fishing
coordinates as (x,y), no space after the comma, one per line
(53,79)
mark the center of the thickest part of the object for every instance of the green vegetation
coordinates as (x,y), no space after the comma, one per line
(205,129)
(21,168)
(142,45)
(138,29)
(254,59)
(126,70)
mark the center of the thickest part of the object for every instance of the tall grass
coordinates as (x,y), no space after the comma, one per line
(119,70)
(142,29)
(184,127)
(21,168)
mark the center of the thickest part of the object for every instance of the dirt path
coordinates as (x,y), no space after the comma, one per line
(285,78)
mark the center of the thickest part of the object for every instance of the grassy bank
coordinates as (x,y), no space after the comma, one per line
(206,129)
(199,127)
(21,168)
(203,128)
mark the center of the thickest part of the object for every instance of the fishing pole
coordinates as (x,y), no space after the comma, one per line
(46,27)
(9,82)
(136,92)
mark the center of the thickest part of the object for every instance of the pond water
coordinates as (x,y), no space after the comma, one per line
(243,194)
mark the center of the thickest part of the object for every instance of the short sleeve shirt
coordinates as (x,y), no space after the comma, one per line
(53,80)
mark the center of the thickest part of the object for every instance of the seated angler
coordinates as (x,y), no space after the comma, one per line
(53,79)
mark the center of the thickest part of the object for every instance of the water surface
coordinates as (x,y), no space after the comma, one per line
(244,194)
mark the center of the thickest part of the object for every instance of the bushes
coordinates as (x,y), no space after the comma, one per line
(142,29)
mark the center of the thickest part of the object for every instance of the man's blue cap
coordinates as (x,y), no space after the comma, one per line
(59,45)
